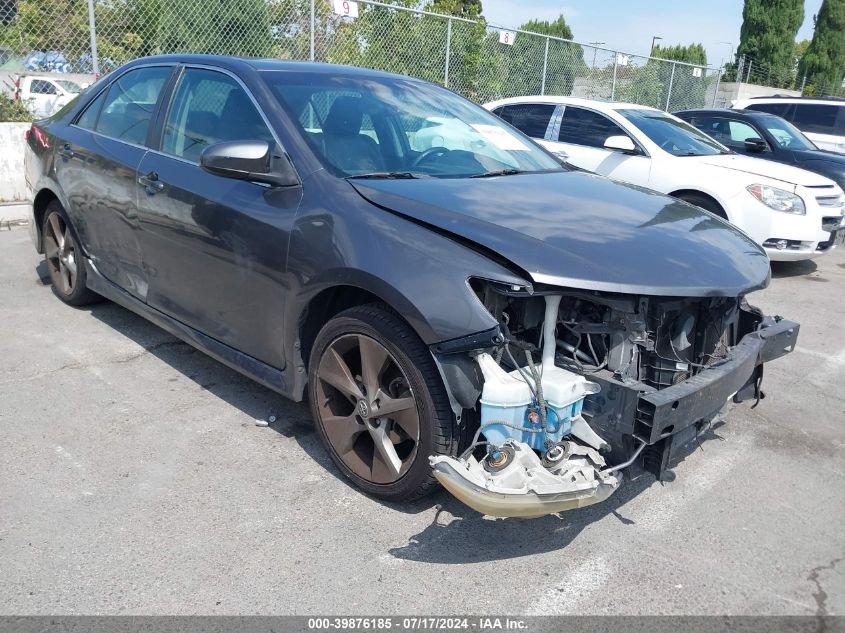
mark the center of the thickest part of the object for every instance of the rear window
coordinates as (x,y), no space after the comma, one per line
(819,118)
(780,109)
(532,119)
(816,118)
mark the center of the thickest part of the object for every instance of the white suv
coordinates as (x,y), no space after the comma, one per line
(821,120)
(795,214)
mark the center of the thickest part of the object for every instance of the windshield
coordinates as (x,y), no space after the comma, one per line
(673,135)
(786,134)
(397,128)
(70,86)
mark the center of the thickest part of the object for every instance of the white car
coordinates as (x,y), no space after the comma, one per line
(783,208)
(44,96)
(821,120)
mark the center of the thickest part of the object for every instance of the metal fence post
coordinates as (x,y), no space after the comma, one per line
(92,28)
(448,51)
(313,28)
(748,74)
(545,65)
(615,66)
(671,81)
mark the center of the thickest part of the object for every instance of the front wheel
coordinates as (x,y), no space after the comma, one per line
(64,259)
(378,402)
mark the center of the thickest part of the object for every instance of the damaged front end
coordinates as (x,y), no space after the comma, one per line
(575,386)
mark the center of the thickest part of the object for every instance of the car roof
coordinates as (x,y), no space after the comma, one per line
(739,114)
(810,100)
(595,104)
(263,65)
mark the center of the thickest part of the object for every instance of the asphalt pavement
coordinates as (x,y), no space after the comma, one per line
(134,480)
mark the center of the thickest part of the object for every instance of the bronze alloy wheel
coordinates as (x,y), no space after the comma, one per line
(379,403)
(367,408)
(65,262)
(60,252)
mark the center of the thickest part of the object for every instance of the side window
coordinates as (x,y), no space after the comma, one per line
(210,107)
(816,118)
(584,127)
(88,119)
(532,119)
(741,131)
(779,109)
(130,103)
(41,87)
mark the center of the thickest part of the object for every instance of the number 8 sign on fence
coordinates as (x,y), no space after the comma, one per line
(345,7)
(507,37)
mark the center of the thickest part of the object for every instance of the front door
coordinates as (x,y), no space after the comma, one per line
(97,170)
(216,247)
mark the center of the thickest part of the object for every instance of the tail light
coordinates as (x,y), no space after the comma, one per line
(39,135)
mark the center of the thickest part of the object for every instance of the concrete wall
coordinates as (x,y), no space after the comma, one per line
(730,92)
(14,195)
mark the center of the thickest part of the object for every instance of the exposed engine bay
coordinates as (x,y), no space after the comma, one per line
(580,385)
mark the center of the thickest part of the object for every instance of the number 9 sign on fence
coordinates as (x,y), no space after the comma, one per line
(345,7)
(507,37)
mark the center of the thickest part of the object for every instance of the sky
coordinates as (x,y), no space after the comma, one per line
(628,25)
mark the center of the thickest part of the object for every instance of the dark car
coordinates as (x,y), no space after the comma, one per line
(767,136)
(478,315)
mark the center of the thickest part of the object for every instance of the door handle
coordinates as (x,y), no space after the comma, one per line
(151,183)
(66,151)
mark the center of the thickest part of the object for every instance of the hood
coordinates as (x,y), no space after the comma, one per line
(766,168)
(825,163)
(579,230)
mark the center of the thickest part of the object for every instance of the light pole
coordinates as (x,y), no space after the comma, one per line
(594,44)
(731,60)
(653,40)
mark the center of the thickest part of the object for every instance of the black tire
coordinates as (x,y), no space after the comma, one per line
(412,358)
(705,202)
(70,288)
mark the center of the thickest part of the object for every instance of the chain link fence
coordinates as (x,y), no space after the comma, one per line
(476,59)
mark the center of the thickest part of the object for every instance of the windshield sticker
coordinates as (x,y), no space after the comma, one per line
(500,138)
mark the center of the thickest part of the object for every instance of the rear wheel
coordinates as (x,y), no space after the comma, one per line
(378,402)
(64,259)
(705,202)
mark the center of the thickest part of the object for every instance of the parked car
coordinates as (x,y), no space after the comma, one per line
(275,215)
(767,136)
(784,208)
(822,120)
(44,95)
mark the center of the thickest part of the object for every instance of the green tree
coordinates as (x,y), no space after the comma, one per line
(823,64)
(768,35)
(48,25)
(215,26)
(691,53)
(470,9)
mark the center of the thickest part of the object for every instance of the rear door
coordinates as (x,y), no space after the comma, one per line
(582,134)
(532,119)
(97,170)
(216,247)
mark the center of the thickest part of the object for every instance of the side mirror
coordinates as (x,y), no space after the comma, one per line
(755,145)
(622,143)
(249,160)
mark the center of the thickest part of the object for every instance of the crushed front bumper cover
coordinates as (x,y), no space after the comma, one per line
(627,416)
(527,487)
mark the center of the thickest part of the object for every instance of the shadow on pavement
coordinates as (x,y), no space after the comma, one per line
(457,533)
(793,269)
